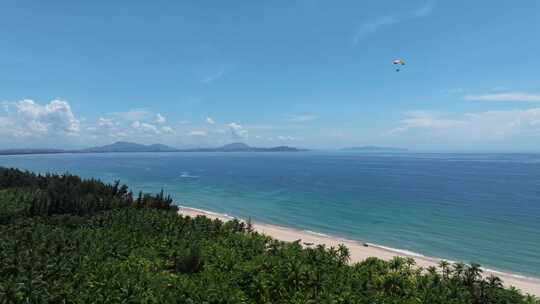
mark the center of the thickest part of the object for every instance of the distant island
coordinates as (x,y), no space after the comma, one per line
(129,147)
(374,149)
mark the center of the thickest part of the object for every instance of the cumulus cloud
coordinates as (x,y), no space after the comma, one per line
(508,96)
(28,118)
(107,122)
(167,129)
(209,120)
(237,131)
(32,124)
(132,123)
(303,118)
(160,119)
(145,127)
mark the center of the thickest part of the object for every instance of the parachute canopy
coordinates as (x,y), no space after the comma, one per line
(398,63)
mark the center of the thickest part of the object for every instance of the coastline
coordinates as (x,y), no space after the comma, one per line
(359,251)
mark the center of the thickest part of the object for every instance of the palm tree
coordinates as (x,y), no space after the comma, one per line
(396,263)
(410,262)
(494,282)
(445,267)
(458,269)
(472,273)
(432,270)
(344,253)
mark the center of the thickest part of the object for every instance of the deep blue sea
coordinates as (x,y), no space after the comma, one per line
(469,207)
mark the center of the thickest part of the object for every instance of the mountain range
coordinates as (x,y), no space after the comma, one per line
(126,147)
(123,146)
(241,147)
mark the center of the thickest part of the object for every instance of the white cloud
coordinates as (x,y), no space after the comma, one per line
(145,127)
(482,125)
(303,118)
(425,120)
(133,123)
(197,133)
(107,122)
(237,131)
(167,129)
(160,119)
(28,118)
(209,120)
(213,77)
(507,121)
(27,123)
(373,25)
(508,96)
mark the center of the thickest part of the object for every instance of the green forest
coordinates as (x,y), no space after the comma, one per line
(64,239)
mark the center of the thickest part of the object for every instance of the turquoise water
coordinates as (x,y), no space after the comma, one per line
(469,207)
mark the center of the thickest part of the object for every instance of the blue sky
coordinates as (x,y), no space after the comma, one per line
(307,73)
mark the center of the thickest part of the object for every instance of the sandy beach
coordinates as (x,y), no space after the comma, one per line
(360,252)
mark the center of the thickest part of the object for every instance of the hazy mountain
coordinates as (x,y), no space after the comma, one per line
(235,147)
(241,147)
(122,146)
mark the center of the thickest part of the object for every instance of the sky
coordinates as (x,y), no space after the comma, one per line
(306,73)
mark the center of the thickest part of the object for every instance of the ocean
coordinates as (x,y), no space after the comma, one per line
(477,207)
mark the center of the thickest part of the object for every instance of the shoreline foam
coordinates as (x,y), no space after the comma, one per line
(359,251)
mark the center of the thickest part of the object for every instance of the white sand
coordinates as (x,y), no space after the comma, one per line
(359,252)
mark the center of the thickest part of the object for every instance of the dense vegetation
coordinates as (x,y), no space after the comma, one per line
(67,240)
